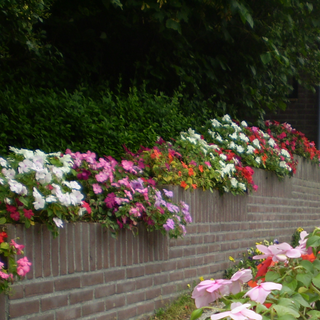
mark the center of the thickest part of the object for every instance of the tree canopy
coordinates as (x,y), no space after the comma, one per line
(239,55)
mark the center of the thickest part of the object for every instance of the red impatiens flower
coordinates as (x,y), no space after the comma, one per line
(2,236)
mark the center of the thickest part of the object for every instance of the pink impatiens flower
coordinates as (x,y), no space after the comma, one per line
(238,311)
(23,266)
(208,291)
(238,279)
(278,252)
(18,247)
(261,291)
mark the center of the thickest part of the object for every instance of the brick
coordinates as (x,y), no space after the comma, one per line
(105,291)
(93,307)
(81,296)
(153,268)
(54,302)
(115,302)
(92,247)
(145,308)
(23,308)
(49,316)
(38,249)
(63,251)
(77,247)
(55,256)
(113,315)
(17,292)
(38,288)
(135,272)
(175,276)
(70,246)
(91,279)
(127,286)
(143,283)
(160,279)
(114,275)
(67,283)
(3,315)
(85,246)
(135,297)
(127,313)
(69,314)
(153,293)
(46,253)
(99,248)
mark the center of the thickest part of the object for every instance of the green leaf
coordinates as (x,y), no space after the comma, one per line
(307,265)
(284,311)
(314,313)
(272,276)
(3,220)
(316,281)
(196,314)
(305,279)
(316,264)
(286,317)
(313,241)
(292,284)
(172,24)
(265,58)
(299,299)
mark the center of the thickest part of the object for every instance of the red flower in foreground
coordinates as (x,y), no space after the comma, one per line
(3,235)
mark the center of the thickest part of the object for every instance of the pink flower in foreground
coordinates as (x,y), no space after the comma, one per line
(261,291)
(278,252)
(302,247)
(4,275)
(238,279)
(23,266)
(96,188)
(210,290)
(238,312)
(19,247)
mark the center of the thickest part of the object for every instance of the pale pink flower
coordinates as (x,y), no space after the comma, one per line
(4,275)
(302,247)
(208,291)
(238,311)
(101,177)
(261,291)
(278,252)
(127,165)
(96,188)
(238,279)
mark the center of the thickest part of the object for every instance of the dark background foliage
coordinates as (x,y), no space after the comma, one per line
(221,56)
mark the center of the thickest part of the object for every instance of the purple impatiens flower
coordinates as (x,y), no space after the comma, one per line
(169,225)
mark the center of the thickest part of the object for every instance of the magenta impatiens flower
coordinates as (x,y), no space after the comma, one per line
(278,252)
(208,291)
(238,311)
(261,291)
(18,247)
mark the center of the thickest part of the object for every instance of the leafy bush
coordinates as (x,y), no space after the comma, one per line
(84,120)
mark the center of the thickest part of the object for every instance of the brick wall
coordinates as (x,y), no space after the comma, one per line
(301,113)
(86,274)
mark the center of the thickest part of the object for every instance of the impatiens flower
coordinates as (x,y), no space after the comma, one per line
(19,247)
(39,202)
(238,311)
(208,291)
(23,266)
(278,252)
(86,206)
(28,213)
(262,290)
(238,279)
(169,194)
(58,222)
(169,225)
(2,236)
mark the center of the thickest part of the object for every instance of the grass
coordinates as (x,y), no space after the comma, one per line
(179,309)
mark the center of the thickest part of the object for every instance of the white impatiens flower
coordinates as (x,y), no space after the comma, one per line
(76,197)
(250,149)
(8,173)
(17,187)
(28,154)
(39,202)
(243,137)
(223,156)
(51,199)
(285,153)
(3,162)
(271,142)
(218,137)
(58,222)
(256,143)
(43,176)
(235,127)
(234,182)
(226,118)
(233,136)
(258,160)
(244,124)
(232,145)
(242,186)
(215,123)
(240,149)
(72,185)
(25,166)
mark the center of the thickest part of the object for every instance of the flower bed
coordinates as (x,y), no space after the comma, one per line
(285,286)
(57,188)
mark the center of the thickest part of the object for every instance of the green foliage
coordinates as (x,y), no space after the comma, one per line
(238,55)
(103,121)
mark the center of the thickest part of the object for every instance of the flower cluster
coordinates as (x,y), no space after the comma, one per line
(119,196)
(10,268)
(287,285)
(294,140)
(34,188)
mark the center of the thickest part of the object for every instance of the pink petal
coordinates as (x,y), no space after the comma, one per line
(271,286)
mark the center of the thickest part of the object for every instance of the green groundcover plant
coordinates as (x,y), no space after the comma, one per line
(286,286)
